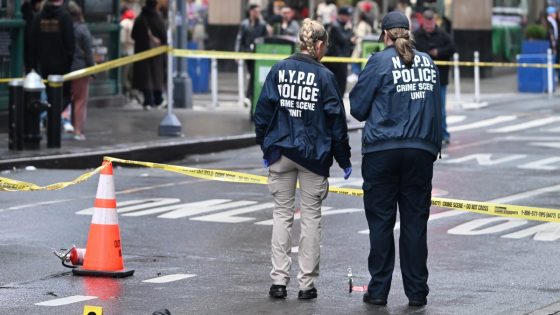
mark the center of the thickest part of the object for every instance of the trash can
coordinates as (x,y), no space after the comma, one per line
(199,71)
(278,45)
(370,45)
(533,80)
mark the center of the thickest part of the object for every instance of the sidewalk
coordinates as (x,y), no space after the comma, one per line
(130,132)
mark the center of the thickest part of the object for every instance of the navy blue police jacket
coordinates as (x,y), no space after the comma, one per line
(401,105)
(300,115)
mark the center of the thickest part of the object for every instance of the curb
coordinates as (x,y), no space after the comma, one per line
(155,151)
(148,151)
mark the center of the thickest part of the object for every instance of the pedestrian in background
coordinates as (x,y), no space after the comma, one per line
(250,29)
(361,29)
(553,31)
(52,46)
(127,48)
(148,75)
(289,25)
(400,142)
(29,9)
(340,36)
(434,41)
(299,138)
(83,58)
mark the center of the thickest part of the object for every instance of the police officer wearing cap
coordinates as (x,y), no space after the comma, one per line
(397,95)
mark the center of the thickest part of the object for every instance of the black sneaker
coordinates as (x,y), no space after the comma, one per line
(374,301)
(417,302)
(278,291)
(307,294)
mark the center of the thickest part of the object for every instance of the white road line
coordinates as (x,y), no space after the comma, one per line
(67,300)
(527,125)
(190,211)
(503,200)
(195,205)
(542,165)
(137,204)
(435,216)
(554,145)
(32,205)
(482,123)
(555,129)
(453,119)
(230,216)
(524,138)
(170,278)
(484,159)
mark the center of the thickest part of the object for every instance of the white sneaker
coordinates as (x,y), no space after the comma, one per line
(67,126)
(352,78)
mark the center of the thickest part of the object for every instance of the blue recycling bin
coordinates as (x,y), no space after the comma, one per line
(533,80)
(199,71)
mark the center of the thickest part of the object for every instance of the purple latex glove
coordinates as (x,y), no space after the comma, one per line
(265,163)
(347,172)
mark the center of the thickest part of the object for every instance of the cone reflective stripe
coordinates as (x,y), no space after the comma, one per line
(103,255)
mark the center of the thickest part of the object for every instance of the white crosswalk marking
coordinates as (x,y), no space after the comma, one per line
(554,145)
(454,119)
(170,278)
(527,125)
(191,205)
(484,159)
(482,123)
(433,217)
(67,300)
(542,165)
(133,205)
(188,211)
(230,216)
(554,129)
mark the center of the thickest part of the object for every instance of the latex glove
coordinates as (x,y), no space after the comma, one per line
(265,163)
(347,172)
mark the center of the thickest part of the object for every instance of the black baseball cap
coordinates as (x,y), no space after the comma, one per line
(394,19)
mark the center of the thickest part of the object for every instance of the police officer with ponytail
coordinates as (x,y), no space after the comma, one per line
(397,95)
(300,124)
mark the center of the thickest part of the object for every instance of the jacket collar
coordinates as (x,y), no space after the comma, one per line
(304,58)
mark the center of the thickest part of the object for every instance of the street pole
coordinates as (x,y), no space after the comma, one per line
(170,126)
(182,81)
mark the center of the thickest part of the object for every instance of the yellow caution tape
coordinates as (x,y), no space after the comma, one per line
(219,175)
(522,212)
(185,53)
(230,55)
(7,184)
(503,210)
(116,63)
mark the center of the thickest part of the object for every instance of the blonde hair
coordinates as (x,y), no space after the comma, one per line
(403,43)
(310,32)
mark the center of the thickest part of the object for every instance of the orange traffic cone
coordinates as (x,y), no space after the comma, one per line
(103,256)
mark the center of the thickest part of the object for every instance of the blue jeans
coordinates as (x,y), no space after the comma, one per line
(445,134)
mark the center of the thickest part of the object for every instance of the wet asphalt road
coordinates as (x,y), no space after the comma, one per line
(478,264)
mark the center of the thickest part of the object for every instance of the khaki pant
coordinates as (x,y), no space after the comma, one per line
(283,176)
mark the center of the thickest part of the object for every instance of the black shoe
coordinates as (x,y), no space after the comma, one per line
(278,291)
(375,301)
(417,302)
(307,294)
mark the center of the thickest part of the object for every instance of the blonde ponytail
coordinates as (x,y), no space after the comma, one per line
(309,33)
